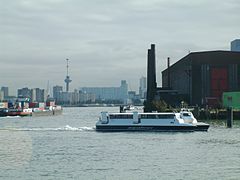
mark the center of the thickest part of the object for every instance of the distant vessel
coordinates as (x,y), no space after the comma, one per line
(30,109)
(135,121)
(15,112)
(31,112)
(18,112)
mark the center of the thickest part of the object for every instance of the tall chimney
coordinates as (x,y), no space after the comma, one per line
(151,74)
(168,72)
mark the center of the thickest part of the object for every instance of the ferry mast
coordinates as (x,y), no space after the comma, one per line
(67,80)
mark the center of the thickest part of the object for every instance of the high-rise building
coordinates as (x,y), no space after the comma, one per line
(41,95)
(143,87)
(5,91)
(56,90)
(57,93)
(235,45)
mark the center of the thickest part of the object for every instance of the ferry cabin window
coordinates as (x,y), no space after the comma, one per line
(186,114)
(122,116)
(157,116)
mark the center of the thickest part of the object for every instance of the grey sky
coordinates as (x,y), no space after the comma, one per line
(106,40)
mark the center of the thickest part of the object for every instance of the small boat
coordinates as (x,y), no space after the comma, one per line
(19,112)
(183,121)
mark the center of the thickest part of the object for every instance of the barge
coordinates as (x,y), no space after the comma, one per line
(50,111)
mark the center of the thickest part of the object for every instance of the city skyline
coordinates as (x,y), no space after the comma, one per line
(50,89)
(105,42)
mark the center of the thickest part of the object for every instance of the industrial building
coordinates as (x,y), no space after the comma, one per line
(202,77)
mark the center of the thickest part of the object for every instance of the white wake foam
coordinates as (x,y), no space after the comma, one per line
(69,128)
(10,117)
(65,128)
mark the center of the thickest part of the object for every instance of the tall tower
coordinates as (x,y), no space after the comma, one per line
(67,80)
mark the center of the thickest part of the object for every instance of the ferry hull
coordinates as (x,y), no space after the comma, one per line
(202,127)
(119,128)
(22,114)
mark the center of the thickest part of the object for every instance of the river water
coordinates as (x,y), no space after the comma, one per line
(68,147)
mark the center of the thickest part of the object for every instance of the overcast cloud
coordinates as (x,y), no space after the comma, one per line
(106,40)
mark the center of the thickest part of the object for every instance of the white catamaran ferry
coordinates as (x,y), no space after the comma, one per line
(135,121)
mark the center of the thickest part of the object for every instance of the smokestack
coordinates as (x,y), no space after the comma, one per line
(151,74)
(168,71)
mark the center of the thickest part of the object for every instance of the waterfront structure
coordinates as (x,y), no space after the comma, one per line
(143,87)
(24,92)
(5,91)
(202,77)
(109,93)
(235,45)
(67,80)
